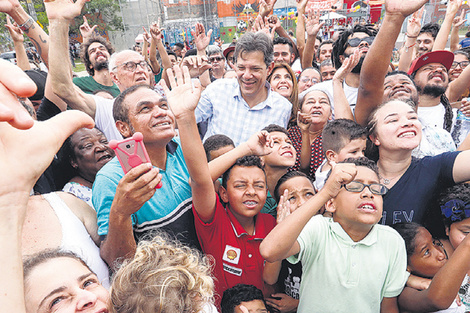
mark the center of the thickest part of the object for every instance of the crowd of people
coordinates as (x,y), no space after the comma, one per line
(283,173)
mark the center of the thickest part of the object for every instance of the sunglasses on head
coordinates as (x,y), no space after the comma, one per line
(354,42)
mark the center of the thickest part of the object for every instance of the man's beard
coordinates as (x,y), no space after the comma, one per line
(101,66)
(357,68)
(433,90)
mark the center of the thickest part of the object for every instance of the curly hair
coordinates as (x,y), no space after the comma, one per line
(163,276)
(294,97)
(84,51)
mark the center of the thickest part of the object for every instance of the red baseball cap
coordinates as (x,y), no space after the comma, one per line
(443,57)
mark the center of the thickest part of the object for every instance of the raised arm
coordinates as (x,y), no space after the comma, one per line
(16,35)
(441,39)
(342,107)
(60,14)
(454,34)
(281,242)
(378,57)
(35,33)
(459,86)
(202,40)
(300,30)
(444,286)
(183,99)
(312,26)
(24,155)
(408,51)
(266,7)
(155,37)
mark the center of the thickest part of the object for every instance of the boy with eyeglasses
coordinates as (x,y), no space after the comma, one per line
(349,262)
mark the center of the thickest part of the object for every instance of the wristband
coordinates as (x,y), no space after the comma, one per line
(27,25)
(406,34)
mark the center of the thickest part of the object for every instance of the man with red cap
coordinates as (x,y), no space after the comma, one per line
(430,74)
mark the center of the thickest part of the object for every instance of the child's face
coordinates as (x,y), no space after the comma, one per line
(283,153)
(354,149)
(300,190)
(253,306)
(246,191)
(357,211)
(428,257)
(214,154)
(458,231)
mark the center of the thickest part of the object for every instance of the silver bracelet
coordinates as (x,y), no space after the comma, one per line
(27,25)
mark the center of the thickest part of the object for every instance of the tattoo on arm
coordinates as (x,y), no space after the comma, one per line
(42,40)
(36,44)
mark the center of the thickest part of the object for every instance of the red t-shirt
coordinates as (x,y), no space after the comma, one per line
(236,253)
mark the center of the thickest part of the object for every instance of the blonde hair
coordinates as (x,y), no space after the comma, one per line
(162,277)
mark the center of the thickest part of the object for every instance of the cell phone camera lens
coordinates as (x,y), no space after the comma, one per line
(128,146)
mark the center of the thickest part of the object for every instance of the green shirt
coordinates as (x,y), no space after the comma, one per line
(89,85)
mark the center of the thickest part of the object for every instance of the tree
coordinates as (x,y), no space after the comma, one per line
(105,13)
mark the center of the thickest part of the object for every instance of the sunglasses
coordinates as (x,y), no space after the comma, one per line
(376,189)
(354,42)
(214,59)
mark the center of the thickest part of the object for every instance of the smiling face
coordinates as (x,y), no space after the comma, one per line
(97,54)
(300,189)
(149,114)
(283,153)
(357,211)
(64,285)
(282,54)
(425,42)
(317,104)
(252,73)
(397,127)
(246,191)
(91,151)
(459,64)
(428,257)
(399,87)
(125,78)
(458,231)
(432,79)
(307,79)
(281,82)
(325,52)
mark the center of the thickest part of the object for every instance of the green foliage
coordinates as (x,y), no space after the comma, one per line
(105,13)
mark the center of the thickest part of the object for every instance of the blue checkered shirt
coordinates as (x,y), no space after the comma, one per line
(226,112)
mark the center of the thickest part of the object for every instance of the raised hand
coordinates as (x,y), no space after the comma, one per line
(261,24)
(201,39)
(283,207)
(453,6)
(301,5)
(403,7)
(260,143)
(16,33)
(156,32)
(86,30)
(304,120)
(266,6)
(414,23)
(8,6)
(196,65)
(184,95)
(274,22)
(459,20)
(341,174)
(64,9)
(348,64)
(146,35)
(312,23)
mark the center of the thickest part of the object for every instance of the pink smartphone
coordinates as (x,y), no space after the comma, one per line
(130,152)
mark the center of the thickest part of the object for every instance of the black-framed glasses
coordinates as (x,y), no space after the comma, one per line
(131,65)
(462,64)
(354,42)
(215,59)
(356,186)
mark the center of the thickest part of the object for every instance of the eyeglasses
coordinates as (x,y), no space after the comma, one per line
(214,59)
(131,65)
(376,189)
(354,42)
(306,79)
(462,64)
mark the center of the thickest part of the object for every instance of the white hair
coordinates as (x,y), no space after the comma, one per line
(115,56)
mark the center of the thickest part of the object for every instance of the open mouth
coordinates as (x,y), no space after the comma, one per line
(316,113)
(105,157)
(407,134)
(162,124)
(368,208)
(250,204)
(287,153)
(400,90)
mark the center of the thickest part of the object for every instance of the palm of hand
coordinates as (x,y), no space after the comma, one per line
(183,98)
(63,9)
(403,7)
